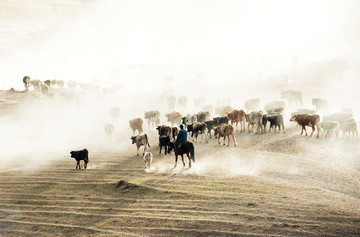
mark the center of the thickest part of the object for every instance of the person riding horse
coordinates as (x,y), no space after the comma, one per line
(181,137)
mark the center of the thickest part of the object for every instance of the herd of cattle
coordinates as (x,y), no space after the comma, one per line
(225,126)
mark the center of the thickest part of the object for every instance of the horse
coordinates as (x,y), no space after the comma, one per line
(186,148)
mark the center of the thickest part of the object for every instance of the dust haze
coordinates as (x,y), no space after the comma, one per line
(224,52)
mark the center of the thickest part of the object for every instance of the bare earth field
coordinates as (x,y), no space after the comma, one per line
(269,185)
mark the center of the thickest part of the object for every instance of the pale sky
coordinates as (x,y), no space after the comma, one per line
(84,40)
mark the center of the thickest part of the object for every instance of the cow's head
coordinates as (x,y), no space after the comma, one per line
(216,130)
(293,117)
(133,139)
(72,153)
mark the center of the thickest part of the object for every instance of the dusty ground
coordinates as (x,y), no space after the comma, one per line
(269,185)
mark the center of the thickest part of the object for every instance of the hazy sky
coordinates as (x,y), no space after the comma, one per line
(87,40)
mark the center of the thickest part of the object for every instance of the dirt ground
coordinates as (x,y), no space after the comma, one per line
(273,184)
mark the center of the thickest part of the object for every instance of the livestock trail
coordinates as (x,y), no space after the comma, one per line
(272,187)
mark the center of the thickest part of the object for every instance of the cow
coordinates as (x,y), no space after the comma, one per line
(37,85)
(237,116)
(255,118)
(276,106)
(109,129)
(115,114)
(203,116)
(225,130)
(252,104)
(321,105)
(164,130)
(148,157)
(171,100)
(164,142)
(339,117)
(60,83)
(196,128)
(223,119)
(330,127)
(349,127)
(139,141)
(182,101)
(136,124)
(153,118)
(293,97)
(80,155)
(223,110)
(174,118)
(44,89)
(276,121)
(310,120)
(188,119)
(303,111)
(48,83)
(174,132)
(210,125)
(27,82)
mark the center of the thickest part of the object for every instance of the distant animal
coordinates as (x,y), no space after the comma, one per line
(276,121)
(80,155)
(171,100)
(188,119)
(330,127)
(311,120)
(72,85)
(164,130)
(174,118)
(203,116)
(349,128)
(148,157)
(223,110)
(237,116)
(37,85)
(60,83)
(48,83)
(255,118)
(252,104)
(275,106)
(109,129)
(293,97)
(44,89)
(153,118)
(320,104)
(164,142)
(186,148)
(140,140)
(225,130)
(182,101)
(27,82)
(115,114)
(198,128)
(303,111)
(136,124)
(275,111)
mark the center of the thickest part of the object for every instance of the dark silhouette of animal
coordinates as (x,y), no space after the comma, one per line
(174,132)
(196,128)
(164,142)
(186,148)
(80,155)
(310,120)
(27,82)
(276,121)
(203,116)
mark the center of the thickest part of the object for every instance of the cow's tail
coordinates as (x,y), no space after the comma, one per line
(192,151)
(147,140)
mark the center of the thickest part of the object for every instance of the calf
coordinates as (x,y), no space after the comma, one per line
(276,121)
(139,141)
(164,142)
(80,155)
(148,157)
(310,120)
(225,130)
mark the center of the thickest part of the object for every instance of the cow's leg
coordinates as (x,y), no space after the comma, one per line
(219,139)
(228,140)
(313,130)
(77,164)
(224,140)
(233,136)
(145,163)
(137,150)
(207,140)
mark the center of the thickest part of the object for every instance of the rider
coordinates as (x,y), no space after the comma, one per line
(181,137)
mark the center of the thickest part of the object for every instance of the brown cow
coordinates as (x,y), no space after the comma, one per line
(139,141)
(164,130)
(237,116)
(310,120)
(225,130)
(136,124)
(174,118)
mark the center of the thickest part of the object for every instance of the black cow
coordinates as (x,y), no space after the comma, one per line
(164,142)
(203,116)
(80,155)
(275,121)
(196,128)
(220,120)
(210,125)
